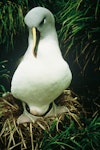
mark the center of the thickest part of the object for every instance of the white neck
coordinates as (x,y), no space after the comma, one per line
(48,47)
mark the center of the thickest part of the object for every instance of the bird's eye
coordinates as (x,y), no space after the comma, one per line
(43,22)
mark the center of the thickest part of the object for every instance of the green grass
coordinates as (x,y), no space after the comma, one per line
(73,138)
(79,30)
(11,21)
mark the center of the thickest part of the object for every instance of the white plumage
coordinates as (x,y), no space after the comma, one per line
(43,75)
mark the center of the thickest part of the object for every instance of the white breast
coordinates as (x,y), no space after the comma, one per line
(37,83)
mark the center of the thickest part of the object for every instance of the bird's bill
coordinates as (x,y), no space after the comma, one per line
(34,40)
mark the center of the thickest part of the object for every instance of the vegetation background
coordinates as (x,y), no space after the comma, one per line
(78,28)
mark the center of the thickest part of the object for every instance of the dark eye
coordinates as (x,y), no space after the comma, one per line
(43,21)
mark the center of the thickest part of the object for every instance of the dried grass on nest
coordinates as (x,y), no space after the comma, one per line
(27,134)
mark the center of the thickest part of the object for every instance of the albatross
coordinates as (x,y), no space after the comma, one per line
(42,74)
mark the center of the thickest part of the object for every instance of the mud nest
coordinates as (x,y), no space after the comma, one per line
(30,135)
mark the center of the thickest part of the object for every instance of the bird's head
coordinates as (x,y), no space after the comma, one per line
(39,20)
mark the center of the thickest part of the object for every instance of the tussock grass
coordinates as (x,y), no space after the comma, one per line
(74,138)
(33,136)
(79,30)
(73,130)
(11,21)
